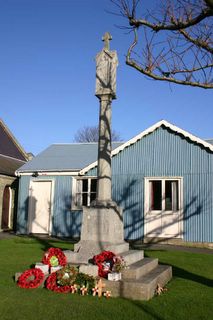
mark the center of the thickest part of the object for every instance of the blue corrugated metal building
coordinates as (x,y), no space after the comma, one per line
(162,178)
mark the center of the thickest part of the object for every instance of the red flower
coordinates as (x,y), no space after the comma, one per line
(58,253)
(51,284)
(31,278)
(104,261)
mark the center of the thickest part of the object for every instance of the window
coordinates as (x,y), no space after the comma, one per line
(164,194)
(84,192)
(155,195)
(163,207)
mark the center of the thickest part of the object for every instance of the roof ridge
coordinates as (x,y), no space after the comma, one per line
(73,143)
(80,143)
(148,131)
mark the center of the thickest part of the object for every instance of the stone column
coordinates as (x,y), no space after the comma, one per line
(106,64)
(104,194)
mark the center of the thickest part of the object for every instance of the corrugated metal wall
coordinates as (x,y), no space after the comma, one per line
(64,221)
(23,201)
(159,154)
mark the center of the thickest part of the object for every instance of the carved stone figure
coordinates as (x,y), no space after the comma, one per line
(106,64)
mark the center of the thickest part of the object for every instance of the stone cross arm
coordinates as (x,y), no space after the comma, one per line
(106,38)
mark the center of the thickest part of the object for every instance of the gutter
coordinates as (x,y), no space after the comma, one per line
(36,173)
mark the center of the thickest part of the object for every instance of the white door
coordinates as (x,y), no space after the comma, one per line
(40,206)
(163,207)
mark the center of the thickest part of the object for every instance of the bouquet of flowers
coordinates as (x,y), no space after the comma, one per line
(118,264)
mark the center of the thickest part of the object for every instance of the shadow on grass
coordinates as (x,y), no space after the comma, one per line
(147,255)
(48,242)
(184,274)
(146,309)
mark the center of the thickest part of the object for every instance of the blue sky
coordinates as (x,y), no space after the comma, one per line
(47,76)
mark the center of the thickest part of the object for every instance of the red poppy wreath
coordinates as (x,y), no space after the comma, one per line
(31,279)
(51,284)
(104,261)
(54,257)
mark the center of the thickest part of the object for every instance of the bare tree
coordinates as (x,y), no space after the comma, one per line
(173,42)
(91,134)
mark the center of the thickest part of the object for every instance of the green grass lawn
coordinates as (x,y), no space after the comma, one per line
(189,295)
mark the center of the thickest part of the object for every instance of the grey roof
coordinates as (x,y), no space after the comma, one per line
(209,141)
(64,157)
(9,165)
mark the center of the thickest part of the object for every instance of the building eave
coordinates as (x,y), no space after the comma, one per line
(15,141)
(47,172)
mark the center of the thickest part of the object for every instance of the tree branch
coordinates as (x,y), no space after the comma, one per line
(183,53)
(176,24)
(134,65)
(199,43)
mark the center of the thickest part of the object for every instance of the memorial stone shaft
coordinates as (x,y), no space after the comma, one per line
(106,64)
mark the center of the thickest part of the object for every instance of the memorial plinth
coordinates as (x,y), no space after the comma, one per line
(102,229)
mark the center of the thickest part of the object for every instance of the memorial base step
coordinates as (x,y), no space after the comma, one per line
(139,268)
(142,288)
(139,279)
(85,250)
(132,256)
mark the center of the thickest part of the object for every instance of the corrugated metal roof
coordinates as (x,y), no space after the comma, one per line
(64,157)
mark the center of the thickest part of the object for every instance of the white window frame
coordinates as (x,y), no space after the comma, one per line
(158,213)
(77,204)
(10,207)
(163,179)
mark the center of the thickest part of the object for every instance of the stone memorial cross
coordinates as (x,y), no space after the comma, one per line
(102,222)
(106,64)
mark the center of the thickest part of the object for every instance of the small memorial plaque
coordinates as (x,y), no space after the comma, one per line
(43,267)
(54,269)
(114,276)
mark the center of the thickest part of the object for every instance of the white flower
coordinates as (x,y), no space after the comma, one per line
(66,275)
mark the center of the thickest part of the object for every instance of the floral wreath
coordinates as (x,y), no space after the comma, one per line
(67,275)
(31,279)
(68,279)
(104,261)
(51,284)
(54,257)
